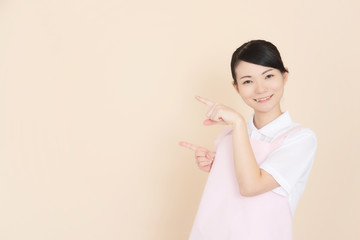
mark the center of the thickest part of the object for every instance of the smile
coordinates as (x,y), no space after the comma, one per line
(263,99)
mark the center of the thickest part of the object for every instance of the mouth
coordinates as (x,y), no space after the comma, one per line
(264,99)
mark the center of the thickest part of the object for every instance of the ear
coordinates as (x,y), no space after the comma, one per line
(235,86)
(285,75)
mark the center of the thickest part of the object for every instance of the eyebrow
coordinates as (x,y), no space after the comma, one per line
(261,74)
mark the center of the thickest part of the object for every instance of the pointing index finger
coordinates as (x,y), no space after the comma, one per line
(203,100)
(189,145)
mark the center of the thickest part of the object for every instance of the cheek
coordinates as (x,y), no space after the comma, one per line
(279,90)
(277,85)
(246,93)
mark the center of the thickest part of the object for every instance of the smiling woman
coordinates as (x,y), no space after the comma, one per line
(259,169)
(263,89)
(259,73)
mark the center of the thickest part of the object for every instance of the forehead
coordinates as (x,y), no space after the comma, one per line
(246,68)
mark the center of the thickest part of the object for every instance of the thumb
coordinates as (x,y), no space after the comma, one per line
(209,122)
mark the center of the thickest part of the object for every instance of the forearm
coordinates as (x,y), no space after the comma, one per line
(246,168)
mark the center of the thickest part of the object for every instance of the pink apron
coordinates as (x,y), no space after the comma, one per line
(224,214)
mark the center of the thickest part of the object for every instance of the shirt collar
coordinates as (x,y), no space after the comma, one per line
(273,127)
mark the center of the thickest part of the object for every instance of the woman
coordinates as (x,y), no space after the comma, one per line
(259,169)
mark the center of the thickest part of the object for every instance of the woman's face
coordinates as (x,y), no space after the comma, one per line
(260,87)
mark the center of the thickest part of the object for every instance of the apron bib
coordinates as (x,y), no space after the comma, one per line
(224,214)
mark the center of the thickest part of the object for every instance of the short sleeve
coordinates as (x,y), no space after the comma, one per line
(290,164)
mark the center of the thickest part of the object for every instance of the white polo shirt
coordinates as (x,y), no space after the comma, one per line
(290,164)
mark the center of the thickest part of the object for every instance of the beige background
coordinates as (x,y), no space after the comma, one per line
(95,95)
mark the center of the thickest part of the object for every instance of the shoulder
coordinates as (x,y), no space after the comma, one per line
(304,132)
(297,148)
(302,136)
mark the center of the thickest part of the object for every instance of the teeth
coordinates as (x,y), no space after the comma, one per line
(262,99)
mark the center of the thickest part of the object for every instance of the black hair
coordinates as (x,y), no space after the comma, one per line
(258,52)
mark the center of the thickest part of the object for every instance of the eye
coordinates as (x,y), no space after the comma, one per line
(269,76)
(247,82)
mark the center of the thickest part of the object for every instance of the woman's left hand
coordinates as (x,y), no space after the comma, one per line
(220,114)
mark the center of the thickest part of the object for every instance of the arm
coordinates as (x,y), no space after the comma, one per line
(252,180)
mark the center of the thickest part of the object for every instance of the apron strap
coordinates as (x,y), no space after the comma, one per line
(276,141)
(281,138)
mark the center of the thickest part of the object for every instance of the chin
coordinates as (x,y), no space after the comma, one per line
(263,109)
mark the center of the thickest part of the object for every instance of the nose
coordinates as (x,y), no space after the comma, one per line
(261,87)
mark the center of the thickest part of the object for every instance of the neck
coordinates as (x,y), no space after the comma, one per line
(263,118)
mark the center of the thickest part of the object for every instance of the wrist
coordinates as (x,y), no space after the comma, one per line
(240,121)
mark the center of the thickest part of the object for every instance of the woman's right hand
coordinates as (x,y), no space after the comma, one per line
(204,158)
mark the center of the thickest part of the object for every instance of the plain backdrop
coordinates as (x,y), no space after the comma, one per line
(96,95)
